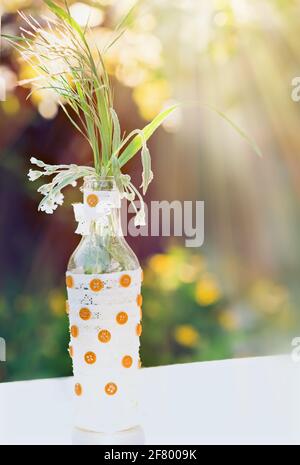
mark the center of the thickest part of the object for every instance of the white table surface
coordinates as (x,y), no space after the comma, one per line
(247,401)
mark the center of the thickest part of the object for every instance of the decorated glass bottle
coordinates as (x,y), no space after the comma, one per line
(104,304)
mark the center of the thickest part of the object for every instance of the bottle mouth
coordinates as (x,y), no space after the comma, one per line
(99,183)
(98,177)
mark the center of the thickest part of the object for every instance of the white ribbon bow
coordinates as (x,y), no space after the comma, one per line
(85,215)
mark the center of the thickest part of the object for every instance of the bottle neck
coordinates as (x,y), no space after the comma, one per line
(102,206)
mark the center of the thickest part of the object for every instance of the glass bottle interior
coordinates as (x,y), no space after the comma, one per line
(104,250)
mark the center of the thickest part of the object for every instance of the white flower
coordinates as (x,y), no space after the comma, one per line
(34,175)
(140,219)
(39,163)
(59,198)
(45,188)
(48,206)
(74,184)
(130,196)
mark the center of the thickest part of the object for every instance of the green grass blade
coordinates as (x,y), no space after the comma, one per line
(13,38)
(128,18)
(65,16)
(117,131)
(240,131)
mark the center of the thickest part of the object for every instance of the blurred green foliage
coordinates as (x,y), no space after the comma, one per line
(190,316)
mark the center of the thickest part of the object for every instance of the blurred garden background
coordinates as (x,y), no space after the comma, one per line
(236,296)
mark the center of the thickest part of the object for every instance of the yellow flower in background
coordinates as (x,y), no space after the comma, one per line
(228,320)
(187,335)
(150,97)
(165,268)
(174,268)
(57,302)
(161,263)
(207,290)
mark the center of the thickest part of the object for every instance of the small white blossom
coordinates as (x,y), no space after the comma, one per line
(34,175)
(48,206)
(140,219)
(59,198)
(39,163)
(45,188)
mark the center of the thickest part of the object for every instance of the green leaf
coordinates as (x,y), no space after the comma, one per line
(117,131)
(137,143)
(147,172)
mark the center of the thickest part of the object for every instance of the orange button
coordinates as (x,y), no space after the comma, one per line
(139,300)
(92,200)
(85,314)
(125,280)
(96,285)
(71,352)
(69,282)
(90,358)
(111,389)
(127,361)
(122,318)
(104,336)
(78,389)
(139,329)
(74,331)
